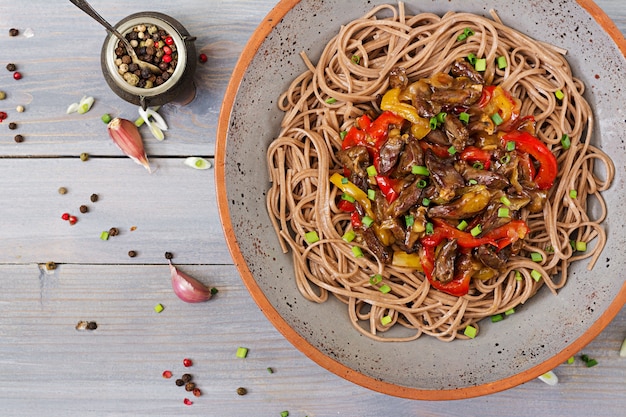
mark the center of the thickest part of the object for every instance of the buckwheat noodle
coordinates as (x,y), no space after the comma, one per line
(301,160)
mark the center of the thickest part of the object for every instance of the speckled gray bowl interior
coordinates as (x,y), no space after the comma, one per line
(539,330)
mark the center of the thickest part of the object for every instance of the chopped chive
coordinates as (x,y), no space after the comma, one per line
(104,235)
(462,225)
(355,59)
(504,200)
(331,100)
(510,146)
(518,276)
(270,370)
(591,362)
(549,249)
(441,117)
(242,352)
(452,150)
(470,332)
(311,237)
(357,252)
(536,275)
(476,230)
(385,320)
(503,213)
(384,288)
(584,358)
(371,194)
(497,318)
(371,171)
(376,279)
(344,180)
(429,228)
(471,58)
(348,198)
(497,119)
(367,221)
(158,308)
(432,123)
(421,183)
(570,360)
(502,64)
(509,312)
(468,31)
(419,170)
(342,134)
(349,236)
(581,246)
(573,193)
(425,202)
(472,182)
(478,165)
(480,65)
(565,141)
(461,37)
(536,257)
(409,220)
(464,117)
(572,243)
(559,95)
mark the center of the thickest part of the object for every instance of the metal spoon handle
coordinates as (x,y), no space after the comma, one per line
(86,7)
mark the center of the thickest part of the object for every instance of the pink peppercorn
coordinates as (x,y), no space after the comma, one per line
(17,75)
(72,220)
(169,40)
(167,50)
(167,374)
(203,58)
(187,362)
(167,59)
(65,216)
(187,401)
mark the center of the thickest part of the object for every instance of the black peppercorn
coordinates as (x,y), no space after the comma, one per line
(114,231)
(13,32)
(190,386)
(11,67)
(83,209)
(169,255)
(242,391)
(12,125)
(180,382)
(186,378)
(94,198)
(18,138)
(92,325)
(132,253)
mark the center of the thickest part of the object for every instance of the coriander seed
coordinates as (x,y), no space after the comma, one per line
(242,391)
(18,138)
(83,209)
(11,67)
(62,190)
(3,95)
(84,156)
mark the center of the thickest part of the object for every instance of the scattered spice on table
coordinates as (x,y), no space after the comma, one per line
(159,308)
(114,231)
(18,138)
(20,109)
(242,391)
(62,190)
(3,116)
(17,75)
(83,209)
(242,352)
(190,386)
(11,67)
(3,95)
(86,325)
(132,253)
(84,156)
(93,198)
(167,374)
(12,125)
(14,32)
(203,58)
(187,401)
(187,362)
(169,255)
(73,220)
(50,266)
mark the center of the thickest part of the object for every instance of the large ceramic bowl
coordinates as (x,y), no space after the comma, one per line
(551,328)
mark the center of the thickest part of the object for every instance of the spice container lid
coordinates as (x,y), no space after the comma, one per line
(179,87)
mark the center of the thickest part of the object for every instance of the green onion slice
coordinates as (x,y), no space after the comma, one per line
(311,237)
(419,170)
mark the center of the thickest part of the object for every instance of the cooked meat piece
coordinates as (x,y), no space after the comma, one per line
(445,178)
(456,132)
(373,244)
(408,197)
(489,178)
(464,207)
(412,155)
(462,68)
(398,78)
(456,96)
(492,258)
(444,264)
(356,159)
(390,152)
(438,137)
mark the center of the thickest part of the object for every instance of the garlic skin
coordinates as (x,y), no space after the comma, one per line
(187,288)
(127,137)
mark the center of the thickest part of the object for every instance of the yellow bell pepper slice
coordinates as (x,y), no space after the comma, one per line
(353,191)
(391,102)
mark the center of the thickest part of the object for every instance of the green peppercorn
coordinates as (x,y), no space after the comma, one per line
(169,255)
(18,138)
(242,391)
(84,156)
(11,67)
(132,253)
(94,198)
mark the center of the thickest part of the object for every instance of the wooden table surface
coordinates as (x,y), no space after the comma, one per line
(48,368)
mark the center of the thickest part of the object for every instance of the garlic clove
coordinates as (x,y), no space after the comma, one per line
(127,137)
(187,288)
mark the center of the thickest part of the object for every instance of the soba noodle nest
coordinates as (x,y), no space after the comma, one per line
(352,70)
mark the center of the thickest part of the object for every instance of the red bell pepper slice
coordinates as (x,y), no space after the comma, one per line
(379,128)
(439,150)
(548,166)
(355,219)
(458,286)
(387,187)
(486,96)
(475,154)
(508,233)
(443,230)
(347,206)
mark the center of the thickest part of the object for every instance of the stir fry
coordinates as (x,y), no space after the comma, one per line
(441,180)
